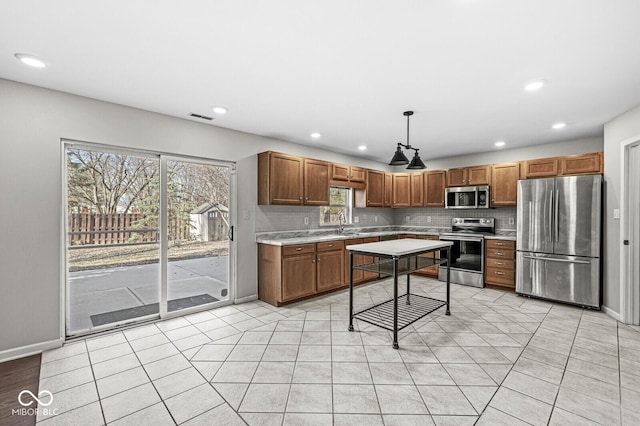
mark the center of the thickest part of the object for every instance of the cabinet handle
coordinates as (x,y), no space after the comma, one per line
(318,260)
(499,273)
(499,244)
(306,198)
(499,253)
(299,249)
(300,198)
(313,261)
(499,263)
(330,245)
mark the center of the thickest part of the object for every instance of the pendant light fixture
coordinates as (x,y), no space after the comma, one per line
(400,159)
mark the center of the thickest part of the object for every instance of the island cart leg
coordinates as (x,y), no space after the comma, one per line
(350,291)
(448,312)
(408,289)
(395,303)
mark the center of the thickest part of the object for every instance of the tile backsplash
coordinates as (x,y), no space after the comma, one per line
(292,218)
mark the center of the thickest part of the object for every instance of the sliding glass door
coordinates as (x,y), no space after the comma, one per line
(147,236)
(198,231)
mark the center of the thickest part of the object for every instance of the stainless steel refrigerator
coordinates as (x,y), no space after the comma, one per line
(558,239)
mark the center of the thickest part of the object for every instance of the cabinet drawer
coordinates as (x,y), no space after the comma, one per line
(501,244)
(500,276)
(330,245)
(501,263)
(298,249)
(499,253)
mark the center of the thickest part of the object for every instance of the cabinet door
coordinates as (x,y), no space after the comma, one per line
(339,172)
(504,184)
(581,164)
(401,190)
(357,174)
(540,168)
(417,190)
(479,175)
(375,188)
(329,270)
(357,260)
(285,179)
(457,177)
(298,276)
(388,189)
(431,271)
(434,184)
(316,183)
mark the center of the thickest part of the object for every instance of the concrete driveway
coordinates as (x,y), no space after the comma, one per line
(99,291)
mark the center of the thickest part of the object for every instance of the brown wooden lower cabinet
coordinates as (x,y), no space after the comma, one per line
(500,265)
(431,271)
(290,273)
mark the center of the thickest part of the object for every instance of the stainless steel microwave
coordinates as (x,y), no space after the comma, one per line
(467,197)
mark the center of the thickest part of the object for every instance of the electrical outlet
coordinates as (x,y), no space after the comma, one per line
(616,213)
(375,218)
(306,220)
(407,219)
(428,219)
(511,221)
(356,219)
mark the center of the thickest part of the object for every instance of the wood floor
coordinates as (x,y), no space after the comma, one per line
(16,376)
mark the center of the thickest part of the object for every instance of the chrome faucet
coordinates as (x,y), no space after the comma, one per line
(341,220)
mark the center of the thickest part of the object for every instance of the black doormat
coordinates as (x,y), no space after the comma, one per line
(140,311)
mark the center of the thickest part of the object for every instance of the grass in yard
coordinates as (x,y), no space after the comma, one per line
(97,257)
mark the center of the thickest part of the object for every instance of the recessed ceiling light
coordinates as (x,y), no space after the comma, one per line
(220,110)
(315,135)
(32,61)
(534,85)
(362,147)
(500,144)
(559,125)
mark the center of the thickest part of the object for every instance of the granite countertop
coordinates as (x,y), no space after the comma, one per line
(305,237)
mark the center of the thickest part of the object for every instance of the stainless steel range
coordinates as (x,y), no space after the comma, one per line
(467,252)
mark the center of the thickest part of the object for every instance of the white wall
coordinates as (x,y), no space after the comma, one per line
(32,123)
(616,132)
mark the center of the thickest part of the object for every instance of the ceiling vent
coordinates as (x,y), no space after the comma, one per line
(203,117)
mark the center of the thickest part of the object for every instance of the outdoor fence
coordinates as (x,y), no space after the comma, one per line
(89,229)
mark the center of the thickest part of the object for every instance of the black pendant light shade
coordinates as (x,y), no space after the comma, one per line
(416,162)
(399,159)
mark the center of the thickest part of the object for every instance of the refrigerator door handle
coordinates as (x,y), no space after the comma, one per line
(551,203)
(530,240)
(552,259)
(557,215)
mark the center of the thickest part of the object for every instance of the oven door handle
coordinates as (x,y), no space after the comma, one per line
(471,239)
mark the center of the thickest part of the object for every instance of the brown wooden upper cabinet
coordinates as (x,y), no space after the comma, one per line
(434,185)
(417,190)
(347,173)
(375,188)
(539,168)
(568,165)
(582,164)
(401,190)
(388,189)
(291,180)
(504,184)
(476,175)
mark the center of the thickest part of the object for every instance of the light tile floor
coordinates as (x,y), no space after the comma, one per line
(499,359)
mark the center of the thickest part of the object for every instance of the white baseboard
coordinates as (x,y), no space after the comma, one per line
(246,299)
(23,351)
(612,313)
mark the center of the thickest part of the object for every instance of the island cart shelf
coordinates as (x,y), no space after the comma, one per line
(396,258)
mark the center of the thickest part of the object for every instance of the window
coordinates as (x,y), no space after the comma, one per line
(340,202)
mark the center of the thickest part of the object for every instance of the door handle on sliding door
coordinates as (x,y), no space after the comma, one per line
(230,233)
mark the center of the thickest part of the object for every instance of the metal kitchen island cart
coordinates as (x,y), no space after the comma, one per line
(395,258)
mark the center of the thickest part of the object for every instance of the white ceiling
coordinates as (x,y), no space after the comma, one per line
(346,69)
